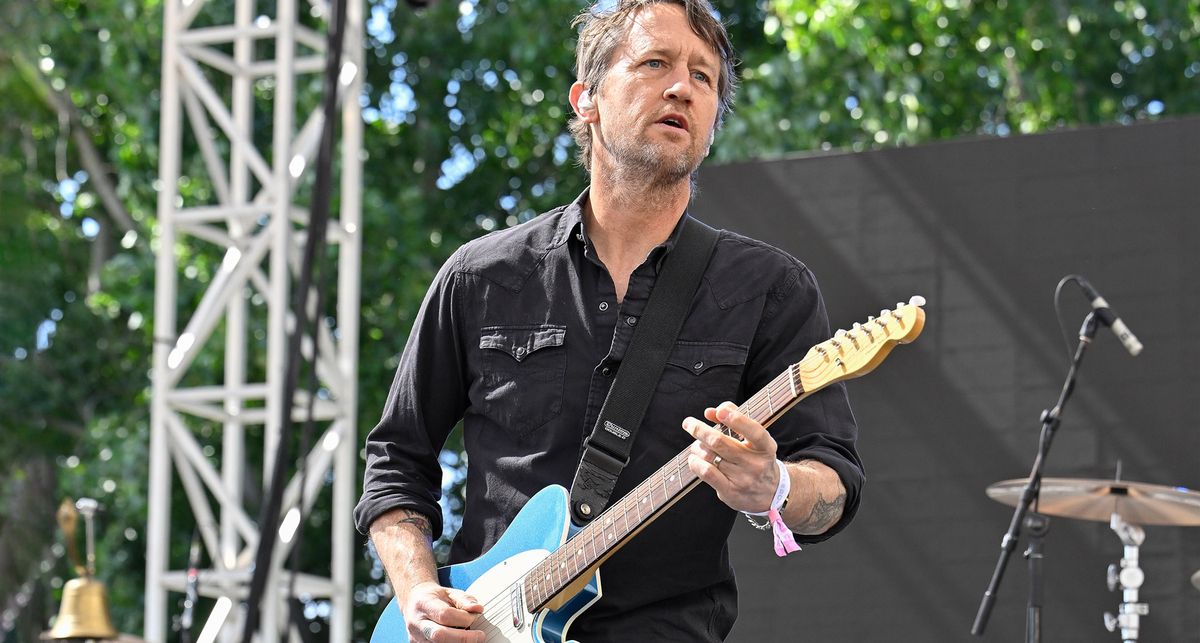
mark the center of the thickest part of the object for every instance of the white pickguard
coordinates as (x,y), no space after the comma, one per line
(495,590)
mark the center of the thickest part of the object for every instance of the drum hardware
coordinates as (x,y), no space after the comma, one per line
(1051,419)
(1129,577)
(1125,506)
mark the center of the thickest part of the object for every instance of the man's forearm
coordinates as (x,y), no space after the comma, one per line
(403,540)
(817,498)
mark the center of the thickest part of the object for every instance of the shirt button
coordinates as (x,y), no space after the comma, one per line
(520,351)
(603,306)
(698,365)
(631,320)
(606,371)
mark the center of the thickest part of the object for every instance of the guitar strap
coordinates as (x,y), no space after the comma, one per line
(606,450)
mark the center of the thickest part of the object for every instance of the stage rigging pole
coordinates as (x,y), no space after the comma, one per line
(213,83)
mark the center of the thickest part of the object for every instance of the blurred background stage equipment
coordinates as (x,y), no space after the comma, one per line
(1037,525)
(1125,506)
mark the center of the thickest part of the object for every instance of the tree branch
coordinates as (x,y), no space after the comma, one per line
(89,156)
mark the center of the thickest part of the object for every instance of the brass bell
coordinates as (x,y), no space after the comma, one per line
(83,613)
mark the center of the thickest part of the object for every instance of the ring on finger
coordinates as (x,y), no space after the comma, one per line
(427,629)
(716,461)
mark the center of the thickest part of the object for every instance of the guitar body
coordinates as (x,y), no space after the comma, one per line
(541,527)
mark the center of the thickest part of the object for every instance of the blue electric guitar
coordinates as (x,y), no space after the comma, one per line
(543,572)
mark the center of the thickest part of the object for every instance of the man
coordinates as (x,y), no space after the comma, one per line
(521,333)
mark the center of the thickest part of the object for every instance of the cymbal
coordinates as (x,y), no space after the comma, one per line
(1137,503)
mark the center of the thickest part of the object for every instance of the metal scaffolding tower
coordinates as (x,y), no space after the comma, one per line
(216,77)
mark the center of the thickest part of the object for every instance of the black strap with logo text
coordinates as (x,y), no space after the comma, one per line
(607,449)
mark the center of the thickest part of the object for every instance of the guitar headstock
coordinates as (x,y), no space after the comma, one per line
(856,352)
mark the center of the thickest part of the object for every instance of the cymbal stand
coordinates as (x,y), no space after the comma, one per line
(1050,421)
(1129,578)
(1036,525)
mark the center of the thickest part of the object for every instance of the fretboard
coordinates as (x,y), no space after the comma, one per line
(617,524)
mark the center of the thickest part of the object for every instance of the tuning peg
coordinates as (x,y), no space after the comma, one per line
(916,300)
(899,305)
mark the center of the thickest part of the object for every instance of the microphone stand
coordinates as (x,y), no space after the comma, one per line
(1050,421)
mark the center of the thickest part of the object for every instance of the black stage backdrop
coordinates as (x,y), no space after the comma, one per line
(984,229)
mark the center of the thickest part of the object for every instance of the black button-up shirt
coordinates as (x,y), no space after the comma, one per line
(520,336)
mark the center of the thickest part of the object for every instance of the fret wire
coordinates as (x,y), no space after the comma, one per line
(673,478)
(637,505)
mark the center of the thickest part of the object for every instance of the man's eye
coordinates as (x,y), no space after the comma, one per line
(654,64)
(700,76)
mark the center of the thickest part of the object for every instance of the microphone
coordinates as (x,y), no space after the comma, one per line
(1110,319)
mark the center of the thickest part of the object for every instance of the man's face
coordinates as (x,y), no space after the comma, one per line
(657,107)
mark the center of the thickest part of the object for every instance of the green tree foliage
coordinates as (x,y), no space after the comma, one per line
(843,73)
(465,107)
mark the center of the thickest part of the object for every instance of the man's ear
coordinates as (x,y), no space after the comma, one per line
(582,102)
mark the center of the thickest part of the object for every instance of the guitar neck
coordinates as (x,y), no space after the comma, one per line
(614,527)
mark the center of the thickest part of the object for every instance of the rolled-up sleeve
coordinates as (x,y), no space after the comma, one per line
(426,400)
(821,427)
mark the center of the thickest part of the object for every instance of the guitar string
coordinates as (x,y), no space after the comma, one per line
(788,379)
(502,600)
(785,382)
(498,608)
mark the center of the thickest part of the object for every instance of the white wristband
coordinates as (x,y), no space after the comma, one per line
(781,492)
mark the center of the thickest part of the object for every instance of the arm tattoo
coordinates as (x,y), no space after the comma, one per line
(418,520)
(825,513)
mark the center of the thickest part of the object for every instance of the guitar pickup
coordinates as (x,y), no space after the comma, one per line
(517,606)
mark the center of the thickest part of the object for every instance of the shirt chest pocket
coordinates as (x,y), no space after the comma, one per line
(703,374)
(522,371)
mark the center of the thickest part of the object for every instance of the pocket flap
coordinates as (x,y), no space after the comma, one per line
(698,357)
(520,342)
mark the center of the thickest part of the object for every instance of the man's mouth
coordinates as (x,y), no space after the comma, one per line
(676,121)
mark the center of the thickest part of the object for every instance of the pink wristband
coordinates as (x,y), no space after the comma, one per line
(784,542)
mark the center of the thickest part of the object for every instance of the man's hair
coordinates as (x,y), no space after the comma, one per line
(602,32)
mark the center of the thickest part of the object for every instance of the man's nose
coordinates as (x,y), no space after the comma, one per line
(680,87)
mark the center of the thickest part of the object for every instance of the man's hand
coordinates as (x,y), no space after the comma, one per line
(432,613)
(439,614)
(743,473)
(745,476)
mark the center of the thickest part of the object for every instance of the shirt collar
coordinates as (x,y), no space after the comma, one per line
(571,228)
